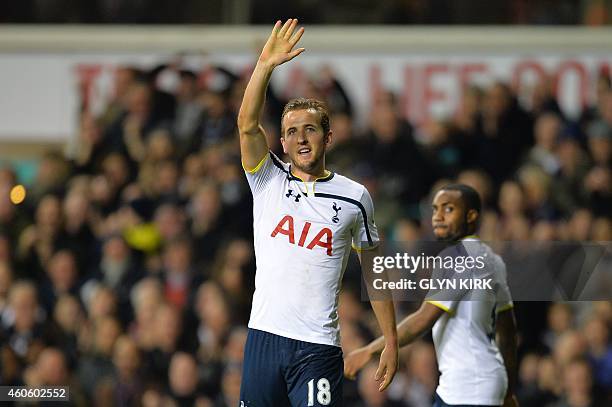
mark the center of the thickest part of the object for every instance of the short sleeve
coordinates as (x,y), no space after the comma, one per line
(448,298)
(259,177)
(365,233)
(503,297)
(447,306)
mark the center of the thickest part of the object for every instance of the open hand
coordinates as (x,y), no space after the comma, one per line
(387,367)
(279,47)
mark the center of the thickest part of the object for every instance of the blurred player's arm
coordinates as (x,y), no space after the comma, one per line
(506,338)
(278,50)
(409,329)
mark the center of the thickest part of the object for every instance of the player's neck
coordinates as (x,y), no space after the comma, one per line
(310,176)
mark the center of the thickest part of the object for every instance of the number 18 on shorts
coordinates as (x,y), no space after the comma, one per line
(282,372)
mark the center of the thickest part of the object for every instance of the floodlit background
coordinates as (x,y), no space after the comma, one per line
(126,259)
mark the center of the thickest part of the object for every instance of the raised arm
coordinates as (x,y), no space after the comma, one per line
(506,339)
(278,50)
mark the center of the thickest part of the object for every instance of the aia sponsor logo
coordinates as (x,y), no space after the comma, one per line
(322,238)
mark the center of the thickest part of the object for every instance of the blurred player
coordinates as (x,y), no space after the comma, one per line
(305,218)
(476,369)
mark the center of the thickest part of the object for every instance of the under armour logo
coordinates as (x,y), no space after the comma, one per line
(296,197)
(337,209)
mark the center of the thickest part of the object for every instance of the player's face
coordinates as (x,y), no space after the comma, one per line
(303,139)
(449,216)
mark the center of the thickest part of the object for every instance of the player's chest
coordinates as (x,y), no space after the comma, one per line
(304,214)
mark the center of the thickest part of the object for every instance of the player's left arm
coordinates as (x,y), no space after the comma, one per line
(389,354)
(506,338)
(365,237)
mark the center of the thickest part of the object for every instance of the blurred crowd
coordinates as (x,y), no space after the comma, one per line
(127,273)
(536,12)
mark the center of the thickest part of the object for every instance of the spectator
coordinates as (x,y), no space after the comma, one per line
(100,301)
(118,270)
(571,345)
(549,379)
(542,155)
(214,323)
(170,221)
(6,281)
(127,377)
(442,148)
(146,297)
(577,385)
(507,133)
(51,176)
(80,239)
(188,110)
(95,362)
(24,328)
(167,329)
(39,241)
(183,379)
(230,387)
(127,134)
(124,78)
(50,369)
(393,152)
(160,146)
(597,335)
(234,270)
(543,99)
(178,275)
(560,320)
(530,394)
(206,223)
(596,186)
(536,184)
(480,181)
(217,124)
(346,148)
(511,200)
(89,148)
(61,279)
(567,189)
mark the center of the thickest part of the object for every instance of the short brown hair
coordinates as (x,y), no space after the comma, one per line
(305,104)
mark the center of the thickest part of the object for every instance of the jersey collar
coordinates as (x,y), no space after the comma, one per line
(328,176)
(470,237)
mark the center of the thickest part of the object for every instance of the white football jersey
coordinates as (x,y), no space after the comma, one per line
(471,366)
(303,233)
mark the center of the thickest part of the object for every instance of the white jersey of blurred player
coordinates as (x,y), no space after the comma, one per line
(302,234)
(471,365)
